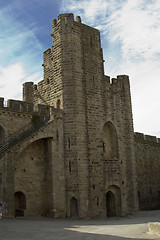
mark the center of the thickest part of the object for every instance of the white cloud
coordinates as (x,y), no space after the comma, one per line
(145,85)
(130,31)
(19,50)
(11,79)
(93,12)
(137,25)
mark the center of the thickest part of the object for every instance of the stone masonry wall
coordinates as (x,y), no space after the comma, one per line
(75,134)
(29,178)
(89,101)
(148,169)
(35,172)
(49,90)
(11,119)
(35,167)
(119,112)
(17,114)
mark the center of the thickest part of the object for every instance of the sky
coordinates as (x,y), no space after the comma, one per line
(130,36)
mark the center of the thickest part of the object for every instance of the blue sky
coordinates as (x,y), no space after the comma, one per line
(130,34)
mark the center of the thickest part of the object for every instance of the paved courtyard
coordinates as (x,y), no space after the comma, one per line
(131,227)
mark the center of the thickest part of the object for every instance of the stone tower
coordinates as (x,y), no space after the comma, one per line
(99,152)
(69,149)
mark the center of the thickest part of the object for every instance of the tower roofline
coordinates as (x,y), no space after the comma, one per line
(68,18)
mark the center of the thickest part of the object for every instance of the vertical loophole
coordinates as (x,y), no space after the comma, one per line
(69,143)
(97,201)
(57,135)
(70,168)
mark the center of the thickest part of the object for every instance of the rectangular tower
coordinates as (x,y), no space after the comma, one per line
(98,126)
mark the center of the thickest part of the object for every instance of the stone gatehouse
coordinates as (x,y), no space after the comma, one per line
(69,148)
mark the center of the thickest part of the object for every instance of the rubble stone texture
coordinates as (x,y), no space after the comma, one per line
(79,156)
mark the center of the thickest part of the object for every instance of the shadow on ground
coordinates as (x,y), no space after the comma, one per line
(131,227)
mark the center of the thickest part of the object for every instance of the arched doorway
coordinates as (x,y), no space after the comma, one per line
(74,207)
(110,141)
(20,203)
(113,201)
(110,204)
(2,134)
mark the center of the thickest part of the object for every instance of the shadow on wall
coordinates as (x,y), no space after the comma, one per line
(110,142)
(2,135)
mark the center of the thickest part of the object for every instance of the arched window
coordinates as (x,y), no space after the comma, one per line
(110,142)
(2,134)
(74,207)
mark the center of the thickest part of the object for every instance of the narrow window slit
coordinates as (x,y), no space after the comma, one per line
(70,168)
(65,20)
(69,143)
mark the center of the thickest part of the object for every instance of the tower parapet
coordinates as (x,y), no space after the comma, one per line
(28,92)
(67,18)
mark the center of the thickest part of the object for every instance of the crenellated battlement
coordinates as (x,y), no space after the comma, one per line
(117,84)
(67,19)
(25,107)
(140,137)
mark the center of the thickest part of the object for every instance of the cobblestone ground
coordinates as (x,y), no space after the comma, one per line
(131,227)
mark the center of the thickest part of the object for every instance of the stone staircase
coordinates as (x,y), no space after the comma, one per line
(22,133)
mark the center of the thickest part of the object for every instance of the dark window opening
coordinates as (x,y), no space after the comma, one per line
(70,168)
(97,201)
(57,135)
(69,143)
(59,104)
(91,42)
(104,147)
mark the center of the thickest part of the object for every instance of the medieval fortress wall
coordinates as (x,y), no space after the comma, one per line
(79,156)
(148,167)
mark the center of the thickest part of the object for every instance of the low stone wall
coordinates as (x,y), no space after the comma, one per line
(154,227)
